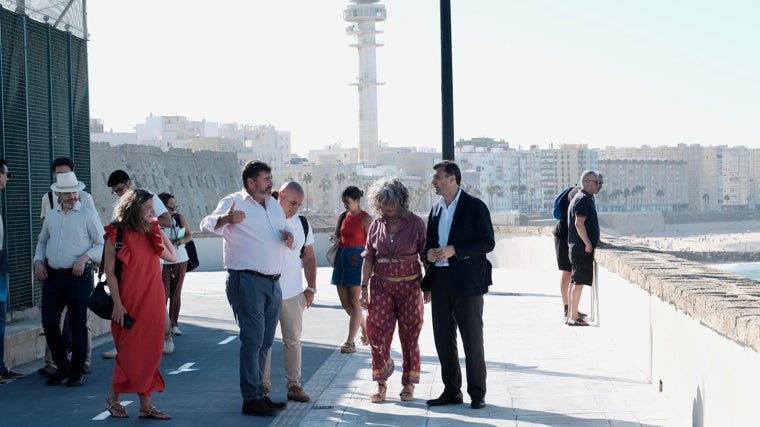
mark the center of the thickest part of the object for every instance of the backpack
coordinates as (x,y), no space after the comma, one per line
(559,201)
(305,225)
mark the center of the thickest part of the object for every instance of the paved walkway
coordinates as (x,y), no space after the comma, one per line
(540,372)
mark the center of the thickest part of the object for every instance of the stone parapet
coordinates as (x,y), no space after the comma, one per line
(727,303)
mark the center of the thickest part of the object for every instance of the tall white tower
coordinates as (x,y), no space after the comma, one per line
(364,14)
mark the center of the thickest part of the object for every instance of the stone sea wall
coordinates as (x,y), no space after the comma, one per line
(727,303)
(197,179)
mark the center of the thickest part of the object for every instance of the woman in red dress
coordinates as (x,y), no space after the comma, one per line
(138,292)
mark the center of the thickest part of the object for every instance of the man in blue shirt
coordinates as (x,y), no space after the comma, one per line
(582,238)
(70,241)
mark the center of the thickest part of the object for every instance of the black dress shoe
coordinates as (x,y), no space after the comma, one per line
(56,379)
(478,404)
(277,406)
(445,400)
(258,407)
(75,381)
(11,375)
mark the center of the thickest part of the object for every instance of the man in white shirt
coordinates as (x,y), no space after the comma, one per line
(70,241)
(295,298)
(255,235)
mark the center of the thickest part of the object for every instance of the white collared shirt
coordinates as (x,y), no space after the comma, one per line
(445,216)
(256,242)
(65,236)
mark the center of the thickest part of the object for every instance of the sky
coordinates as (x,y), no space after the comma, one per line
(538,72)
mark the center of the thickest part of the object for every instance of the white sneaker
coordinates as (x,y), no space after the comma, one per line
(176,331)
(168,346)
(110,354)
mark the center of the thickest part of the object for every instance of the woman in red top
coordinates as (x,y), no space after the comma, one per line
(352,231)
(139,292)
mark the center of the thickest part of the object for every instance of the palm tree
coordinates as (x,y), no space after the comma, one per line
(353,178)
(612,196)
(423,191)
(706,200)
(492,189)
(660,195)
(325,184)
(512,189)
(520,191)
(341,178)
(626,195)
(306,177)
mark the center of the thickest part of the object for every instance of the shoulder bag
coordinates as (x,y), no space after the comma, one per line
(192,252)
(332,251)
(100,301)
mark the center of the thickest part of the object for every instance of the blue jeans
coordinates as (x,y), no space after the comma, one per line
(66,290)
(3,316)
(256,304)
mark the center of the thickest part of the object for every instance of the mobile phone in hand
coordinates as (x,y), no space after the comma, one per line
(129,321)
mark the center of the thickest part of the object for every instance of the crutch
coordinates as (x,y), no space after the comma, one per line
(594,310)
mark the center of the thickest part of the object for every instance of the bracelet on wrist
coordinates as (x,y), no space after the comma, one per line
(312,290)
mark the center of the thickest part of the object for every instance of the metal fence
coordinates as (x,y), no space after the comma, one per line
(44,113)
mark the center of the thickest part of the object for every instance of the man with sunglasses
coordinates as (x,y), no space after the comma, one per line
(119,182)
(583,238)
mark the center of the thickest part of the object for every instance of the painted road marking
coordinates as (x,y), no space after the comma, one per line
(227,340)
(105,414)
(183,368)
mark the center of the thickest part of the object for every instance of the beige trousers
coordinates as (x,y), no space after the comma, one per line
(291,326)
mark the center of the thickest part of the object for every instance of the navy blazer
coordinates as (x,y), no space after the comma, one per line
(473,237)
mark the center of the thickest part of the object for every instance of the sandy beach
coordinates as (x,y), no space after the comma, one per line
(741,236)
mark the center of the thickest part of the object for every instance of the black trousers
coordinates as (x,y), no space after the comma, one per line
(449,312)
(66,290)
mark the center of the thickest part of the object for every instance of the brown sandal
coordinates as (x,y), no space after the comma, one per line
(348,347)
(379,396)
(116,409)
(154,414)
(407,394)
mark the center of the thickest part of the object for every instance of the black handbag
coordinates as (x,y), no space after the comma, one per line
(100,301)
(192,254)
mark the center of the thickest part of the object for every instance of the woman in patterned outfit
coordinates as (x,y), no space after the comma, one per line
(391,276)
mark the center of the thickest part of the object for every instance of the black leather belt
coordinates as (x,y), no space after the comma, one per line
(64,271)
(59,271)
(272,277)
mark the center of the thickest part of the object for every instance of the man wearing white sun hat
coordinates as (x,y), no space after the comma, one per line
(70,241)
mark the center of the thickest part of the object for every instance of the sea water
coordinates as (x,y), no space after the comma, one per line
(750,270)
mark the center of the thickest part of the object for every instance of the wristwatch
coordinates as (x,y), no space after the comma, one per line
(312,290)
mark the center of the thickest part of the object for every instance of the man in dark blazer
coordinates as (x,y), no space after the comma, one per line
(459,236)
